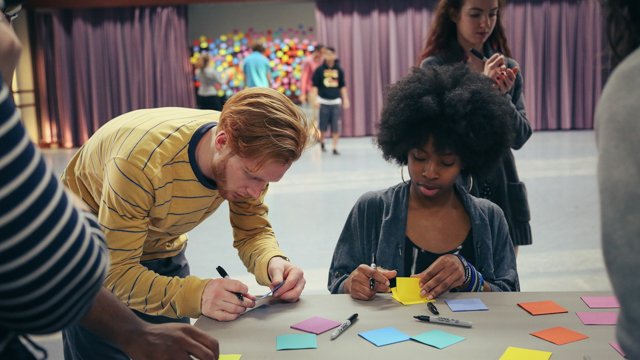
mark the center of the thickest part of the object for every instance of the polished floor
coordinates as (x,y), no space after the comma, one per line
(309,206)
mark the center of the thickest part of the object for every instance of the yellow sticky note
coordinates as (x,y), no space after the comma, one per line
(514,353)
(230,357)
(407,291)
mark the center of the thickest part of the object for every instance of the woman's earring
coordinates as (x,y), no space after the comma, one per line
(402,174)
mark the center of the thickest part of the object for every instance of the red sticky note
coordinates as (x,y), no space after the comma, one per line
(559,335)
(542,307)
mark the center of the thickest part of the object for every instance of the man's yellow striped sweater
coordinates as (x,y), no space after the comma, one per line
(139,174)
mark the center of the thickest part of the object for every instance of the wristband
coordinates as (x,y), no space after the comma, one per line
(467,268)
(473,281)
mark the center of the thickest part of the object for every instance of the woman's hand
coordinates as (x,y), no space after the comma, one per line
(443,275)
(505,81)
(494,67)
(358,285)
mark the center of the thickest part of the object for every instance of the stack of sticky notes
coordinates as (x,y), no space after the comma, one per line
(598,318)
(514,353)
(543,308)
(315,326)
(559,335)
(466,305)
(437,338)
(386,336)
(601,302)
(296,341)
(407,291)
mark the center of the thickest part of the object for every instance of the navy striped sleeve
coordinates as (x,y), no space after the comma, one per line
(53,256)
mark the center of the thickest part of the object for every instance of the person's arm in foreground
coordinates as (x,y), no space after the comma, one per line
(617,129)
(113,320)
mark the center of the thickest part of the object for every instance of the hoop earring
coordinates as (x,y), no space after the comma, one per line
(402,174)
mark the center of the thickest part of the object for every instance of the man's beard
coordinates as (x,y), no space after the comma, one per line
(220,176)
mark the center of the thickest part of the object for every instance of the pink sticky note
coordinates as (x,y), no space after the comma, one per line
(601,302)
(598,318)
(316,325)
(618,349)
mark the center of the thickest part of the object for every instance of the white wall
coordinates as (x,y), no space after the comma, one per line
(217,19)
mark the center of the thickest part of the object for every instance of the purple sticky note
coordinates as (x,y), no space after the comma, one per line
(316,325)
(618,349)
(466,305)
(601,302)
(598,318)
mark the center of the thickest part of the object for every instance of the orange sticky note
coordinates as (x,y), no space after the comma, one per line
(559,335)
(542,307)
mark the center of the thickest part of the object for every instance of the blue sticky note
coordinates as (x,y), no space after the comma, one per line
(297,341)
(386,336)
(437,338)
(466,305)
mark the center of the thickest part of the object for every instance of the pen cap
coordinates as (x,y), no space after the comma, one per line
(353,317)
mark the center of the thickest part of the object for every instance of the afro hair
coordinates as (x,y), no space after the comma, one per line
(459,109)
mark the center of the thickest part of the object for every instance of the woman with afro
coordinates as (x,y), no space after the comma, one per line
(438,122)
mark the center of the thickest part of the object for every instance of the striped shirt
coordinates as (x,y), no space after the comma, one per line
(139,174)
(53,258)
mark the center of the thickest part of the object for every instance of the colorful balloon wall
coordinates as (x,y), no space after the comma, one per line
(286,51)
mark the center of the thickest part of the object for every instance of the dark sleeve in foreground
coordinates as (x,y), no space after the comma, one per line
(53,257)
(617,129)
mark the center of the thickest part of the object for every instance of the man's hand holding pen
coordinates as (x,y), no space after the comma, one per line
(220,302)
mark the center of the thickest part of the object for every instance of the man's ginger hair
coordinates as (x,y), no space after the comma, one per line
(266,126)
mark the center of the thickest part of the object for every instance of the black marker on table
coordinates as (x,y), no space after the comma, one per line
(433,309)
(226,276)
(344,326)
(442,320)
(372,282)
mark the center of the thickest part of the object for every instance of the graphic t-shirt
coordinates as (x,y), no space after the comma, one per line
(329,81)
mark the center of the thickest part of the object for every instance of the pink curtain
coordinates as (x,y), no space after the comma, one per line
(95,64)
(557,43)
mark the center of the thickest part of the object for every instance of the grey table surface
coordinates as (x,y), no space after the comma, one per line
(505,324)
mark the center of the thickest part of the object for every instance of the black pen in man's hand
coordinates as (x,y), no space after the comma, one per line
(226,276)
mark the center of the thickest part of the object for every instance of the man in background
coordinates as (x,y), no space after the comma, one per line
(330,91)
(309,66)
(256,69)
